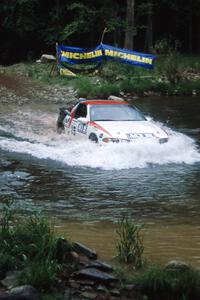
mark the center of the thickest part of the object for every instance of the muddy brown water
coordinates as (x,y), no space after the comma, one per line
(86,188)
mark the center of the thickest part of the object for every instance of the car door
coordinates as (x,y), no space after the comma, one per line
(79,124)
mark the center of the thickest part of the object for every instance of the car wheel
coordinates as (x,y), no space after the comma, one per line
(93,138)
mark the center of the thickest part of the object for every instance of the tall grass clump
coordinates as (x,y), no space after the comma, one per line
(84,86)
(130,244)
(105,90)
(162,283)
(28,244)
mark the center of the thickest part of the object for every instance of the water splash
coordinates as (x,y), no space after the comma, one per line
(34,134)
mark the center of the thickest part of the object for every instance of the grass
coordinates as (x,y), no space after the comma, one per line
(29,244)
(160,283)
(130,244)
(173,75)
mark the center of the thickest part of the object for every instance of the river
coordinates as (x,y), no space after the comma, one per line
(86,188)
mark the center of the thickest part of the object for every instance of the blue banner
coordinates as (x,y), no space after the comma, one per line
(129,57)
(76,55)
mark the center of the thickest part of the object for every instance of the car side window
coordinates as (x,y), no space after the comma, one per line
(81,111)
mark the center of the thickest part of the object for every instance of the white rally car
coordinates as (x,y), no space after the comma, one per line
(108,121)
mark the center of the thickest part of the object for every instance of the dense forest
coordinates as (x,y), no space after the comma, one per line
(31,27)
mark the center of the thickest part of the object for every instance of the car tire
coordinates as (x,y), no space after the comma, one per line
(93,138)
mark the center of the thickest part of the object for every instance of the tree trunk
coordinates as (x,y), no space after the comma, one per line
(128,44)
(190,27)
(149,31)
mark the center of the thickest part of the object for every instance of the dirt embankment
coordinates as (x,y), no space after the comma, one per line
(20,90)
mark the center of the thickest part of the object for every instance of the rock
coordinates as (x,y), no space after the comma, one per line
(47,58)
(102,289)
(175,265)
(75,256)
(11,279)
(115,292)
(130,291)
(69,295)
(100,265)
(74,284)
(80,248)
(4,296)
(115,98)
(86,288)
(85,282)
(95,275)
(63,249)
(89,295)
(84,261)
(24,292)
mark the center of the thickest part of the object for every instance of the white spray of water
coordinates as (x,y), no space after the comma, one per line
(41,141)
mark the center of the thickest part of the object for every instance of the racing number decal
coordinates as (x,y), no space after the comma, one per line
(78,127)
(82,128)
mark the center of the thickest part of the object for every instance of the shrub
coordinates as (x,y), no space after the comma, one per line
(41,274)
(29,244)
(105,90)
(84,87)
(160,283)
(130,245)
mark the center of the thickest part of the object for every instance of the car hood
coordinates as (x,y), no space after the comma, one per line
(125,129)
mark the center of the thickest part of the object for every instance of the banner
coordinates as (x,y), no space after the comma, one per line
(129,57)
(76,55)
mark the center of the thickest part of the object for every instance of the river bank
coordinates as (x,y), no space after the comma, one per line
(172,76)
(38,263)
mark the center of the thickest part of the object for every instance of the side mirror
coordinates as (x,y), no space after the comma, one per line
(67,112)
(83,120)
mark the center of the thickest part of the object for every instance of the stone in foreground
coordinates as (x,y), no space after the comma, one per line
(95,275)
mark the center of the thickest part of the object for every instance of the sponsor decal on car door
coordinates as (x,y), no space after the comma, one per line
(74,127)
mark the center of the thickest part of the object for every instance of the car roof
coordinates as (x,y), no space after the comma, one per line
(104,102)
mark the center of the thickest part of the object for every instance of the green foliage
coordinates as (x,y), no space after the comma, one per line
(83,19)
(114,78)
(170,68)
(105,90)
(28,244)
(161,283)
(162,46)
(41,274)
(84,87)
(130,245)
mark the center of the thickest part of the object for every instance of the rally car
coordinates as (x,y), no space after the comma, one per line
(108,121)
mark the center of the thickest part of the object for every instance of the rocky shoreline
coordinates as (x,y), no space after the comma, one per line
(85,278)
(91,279)
(21,90)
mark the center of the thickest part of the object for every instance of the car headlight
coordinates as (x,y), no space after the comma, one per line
(108,140)
(114,140)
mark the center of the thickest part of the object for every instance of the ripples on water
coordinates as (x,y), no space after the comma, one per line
(83,181)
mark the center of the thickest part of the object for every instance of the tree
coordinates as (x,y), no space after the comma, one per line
(149,30)
(129,32)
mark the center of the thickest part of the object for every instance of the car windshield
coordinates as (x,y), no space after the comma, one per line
(115,112)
